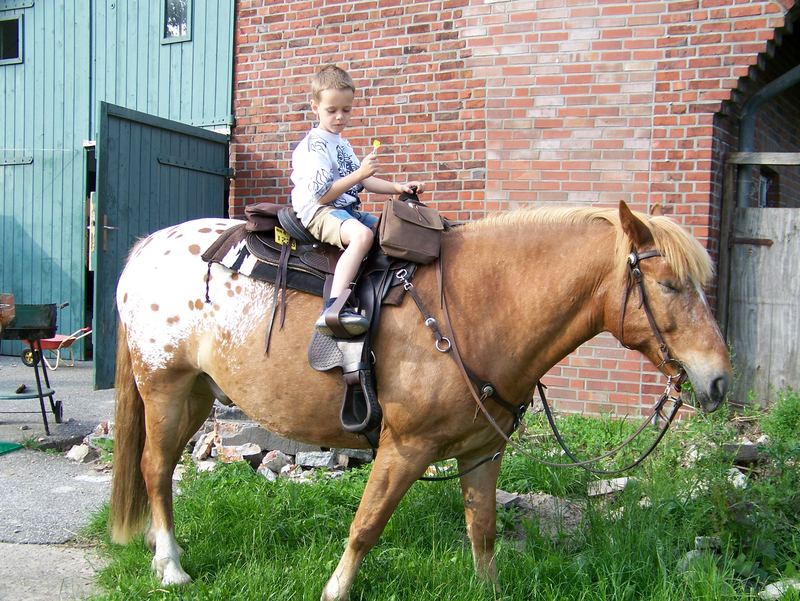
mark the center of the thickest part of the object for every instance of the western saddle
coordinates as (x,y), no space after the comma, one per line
(272,245)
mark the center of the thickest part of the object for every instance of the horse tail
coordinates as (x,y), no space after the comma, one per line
(129,504)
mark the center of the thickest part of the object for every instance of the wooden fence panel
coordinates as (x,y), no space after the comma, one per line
(764,302)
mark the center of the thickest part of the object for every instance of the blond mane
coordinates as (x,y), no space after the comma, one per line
(685,255)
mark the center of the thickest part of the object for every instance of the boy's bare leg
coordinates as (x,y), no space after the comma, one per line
(357,239)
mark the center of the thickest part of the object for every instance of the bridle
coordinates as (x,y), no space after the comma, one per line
(635,279)
(489,391)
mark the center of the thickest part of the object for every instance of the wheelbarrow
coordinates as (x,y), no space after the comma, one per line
(55,345)
(32,323)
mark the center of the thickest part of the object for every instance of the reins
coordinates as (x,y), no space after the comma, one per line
(488,391)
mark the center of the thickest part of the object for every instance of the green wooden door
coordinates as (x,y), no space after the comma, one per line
(151,173)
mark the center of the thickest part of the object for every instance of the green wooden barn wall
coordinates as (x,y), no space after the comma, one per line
(44,118)
(189,82)
(76,54)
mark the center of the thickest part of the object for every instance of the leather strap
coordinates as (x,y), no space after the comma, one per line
(279,290)
(635,278)
(488,390)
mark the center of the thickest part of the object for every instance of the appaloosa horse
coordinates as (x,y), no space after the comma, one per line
(523,289)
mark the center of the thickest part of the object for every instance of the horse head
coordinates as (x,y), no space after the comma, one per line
(664,313)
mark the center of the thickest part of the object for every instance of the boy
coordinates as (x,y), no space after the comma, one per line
(327,178)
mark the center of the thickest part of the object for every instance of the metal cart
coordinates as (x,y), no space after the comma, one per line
(31,323)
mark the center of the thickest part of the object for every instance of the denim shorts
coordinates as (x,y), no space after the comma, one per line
(326,224)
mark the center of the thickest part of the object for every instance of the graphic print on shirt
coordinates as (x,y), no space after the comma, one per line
(347,163)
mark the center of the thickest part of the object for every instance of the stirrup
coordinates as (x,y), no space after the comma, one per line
(349,324)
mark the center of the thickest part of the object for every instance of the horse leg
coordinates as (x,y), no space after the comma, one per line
(391,476)
(173,413)
(478,489)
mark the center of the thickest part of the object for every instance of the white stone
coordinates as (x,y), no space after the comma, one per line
(206,465)
(288,471)
(202,450)
(267,473)
(606,487)
(234,453)
(303,477)
(275,460)
(737,478)
(104,429)
(233,432)
(776,590)
(693,454)
(362,455)
(325,459)
(555,516)
(81,453)
(686,560)
(180,470)
(505,499)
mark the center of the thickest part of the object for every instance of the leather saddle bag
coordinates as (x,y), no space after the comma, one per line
(410,230)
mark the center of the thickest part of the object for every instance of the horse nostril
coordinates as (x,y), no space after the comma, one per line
(719,388)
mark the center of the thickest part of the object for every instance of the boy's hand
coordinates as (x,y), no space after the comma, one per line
(369,165)
(411,188)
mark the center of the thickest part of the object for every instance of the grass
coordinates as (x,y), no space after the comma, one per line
(246,538)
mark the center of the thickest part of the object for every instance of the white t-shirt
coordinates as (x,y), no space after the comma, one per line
(318,160)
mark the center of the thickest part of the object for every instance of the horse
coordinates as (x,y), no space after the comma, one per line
(522,290)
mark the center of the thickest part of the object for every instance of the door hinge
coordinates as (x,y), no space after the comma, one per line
(754,241)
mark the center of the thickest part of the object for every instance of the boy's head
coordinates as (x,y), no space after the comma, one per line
(332,93)
(331,77)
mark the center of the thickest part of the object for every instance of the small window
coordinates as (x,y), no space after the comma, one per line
(11,40)
(768,188)
(177,21)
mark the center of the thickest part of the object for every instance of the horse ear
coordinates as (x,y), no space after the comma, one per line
(656,210)
(637,231)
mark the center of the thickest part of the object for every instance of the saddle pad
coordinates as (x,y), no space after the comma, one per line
(239,257)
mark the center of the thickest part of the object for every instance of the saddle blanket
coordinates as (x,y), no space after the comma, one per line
(238,255)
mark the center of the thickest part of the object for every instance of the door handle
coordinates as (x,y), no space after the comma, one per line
(105,227)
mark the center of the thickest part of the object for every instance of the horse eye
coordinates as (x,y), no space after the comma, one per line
(669,286)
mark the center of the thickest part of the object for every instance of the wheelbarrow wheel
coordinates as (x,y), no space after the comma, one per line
(30,357)
(59,412)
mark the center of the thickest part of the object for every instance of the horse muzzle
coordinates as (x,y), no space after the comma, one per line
(710,389)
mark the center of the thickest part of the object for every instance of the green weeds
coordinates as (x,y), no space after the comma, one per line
(246,538)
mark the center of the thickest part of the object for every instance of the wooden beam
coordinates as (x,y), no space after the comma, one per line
(764,158)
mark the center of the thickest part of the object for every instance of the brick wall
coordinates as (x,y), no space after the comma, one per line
(502,104)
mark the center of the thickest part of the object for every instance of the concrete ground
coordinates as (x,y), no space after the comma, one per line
(47,499)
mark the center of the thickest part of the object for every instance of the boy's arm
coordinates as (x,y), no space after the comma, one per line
(365,172)
(382,186)
(340,186)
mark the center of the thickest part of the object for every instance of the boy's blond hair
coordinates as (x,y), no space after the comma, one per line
(331,77)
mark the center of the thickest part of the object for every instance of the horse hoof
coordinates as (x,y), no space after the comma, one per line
(331,592)
(170,572)
(176,578)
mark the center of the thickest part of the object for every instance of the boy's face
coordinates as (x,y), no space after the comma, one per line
(333,109)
